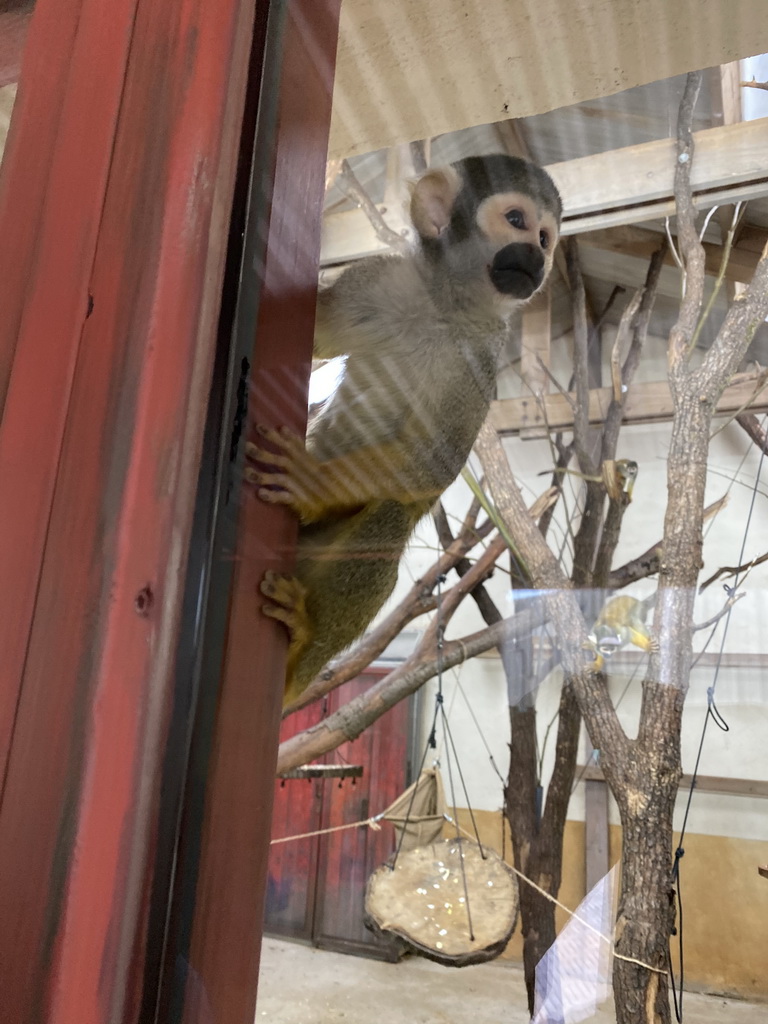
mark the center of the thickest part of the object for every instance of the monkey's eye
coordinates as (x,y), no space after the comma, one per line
(516,218)
(543,239)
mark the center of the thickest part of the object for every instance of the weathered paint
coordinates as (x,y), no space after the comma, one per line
(114,210)
(223,856)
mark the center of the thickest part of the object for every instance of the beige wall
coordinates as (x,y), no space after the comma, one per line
(725,904)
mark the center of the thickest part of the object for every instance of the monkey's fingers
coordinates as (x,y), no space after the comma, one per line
(254,453)
(284,439)
(276,611)
(307,500)
(287,602)
(262,478)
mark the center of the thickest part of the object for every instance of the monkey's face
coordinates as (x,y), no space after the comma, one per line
(521,236)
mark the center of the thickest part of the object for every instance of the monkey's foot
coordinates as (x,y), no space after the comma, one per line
(297,480)
(287,602)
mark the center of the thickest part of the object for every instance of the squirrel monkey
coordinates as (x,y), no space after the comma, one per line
(621,622)
(618,477)
(422,334)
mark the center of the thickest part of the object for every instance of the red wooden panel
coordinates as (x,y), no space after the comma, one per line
(293,866)
(338,864)
(99,453)
(54,175)
(222,954)
(348,858)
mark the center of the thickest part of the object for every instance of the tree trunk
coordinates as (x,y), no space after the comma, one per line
(646,912)
(537,835)
(522,814)
(646,802)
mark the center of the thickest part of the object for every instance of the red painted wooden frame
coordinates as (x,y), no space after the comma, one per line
(114,205)
(223,857)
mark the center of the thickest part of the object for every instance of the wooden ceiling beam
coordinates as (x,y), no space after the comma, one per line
(647,402)
(621,186)
(635,183)
(640,243)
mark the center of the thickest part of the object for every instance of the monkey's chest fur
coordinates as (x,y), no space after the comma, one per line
(414,409)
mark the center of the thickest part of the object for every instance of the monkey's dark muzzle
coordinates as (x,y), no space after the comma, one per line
(517,270)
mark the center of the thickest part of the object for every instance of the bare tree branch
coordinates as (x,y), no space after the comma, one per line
(733,570)
(417,601)
(350,185)
(747,312)
(691,249)
(632,361)
(732,599)
(580,360)
(480,595)
(350,720)
(590,687)
(751,424)
(649,563)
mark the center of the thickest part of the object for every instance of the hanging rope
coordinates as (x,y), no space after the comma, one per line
(451,755)
(373,823)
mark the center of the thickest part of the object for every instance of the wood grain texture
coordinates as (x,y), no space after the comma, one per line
(225,839)
(114,214)
(647,402)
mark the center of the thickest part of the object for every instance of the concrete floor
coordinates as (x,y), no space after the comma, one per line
(302,985)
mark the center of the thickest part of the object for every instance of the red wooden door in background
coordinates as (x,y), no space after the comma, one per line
(316,886)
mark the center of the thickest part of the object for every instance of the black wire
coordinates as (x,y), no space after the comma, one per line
(480,731)
(427,746)
(458,832)
(720,722)
(449,734)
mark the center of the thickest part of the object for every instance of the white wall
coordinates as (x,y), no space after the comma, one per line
(742,688)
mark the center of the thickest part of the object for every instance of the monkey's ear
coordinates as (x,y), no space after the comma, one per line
(432,199)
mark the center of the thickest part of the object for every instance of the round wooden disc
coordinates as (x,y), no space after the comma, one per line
(439,911)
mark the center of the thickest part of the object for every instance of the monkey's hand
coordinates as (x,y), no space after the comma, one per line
(294,477)
(313,489)
(318,490)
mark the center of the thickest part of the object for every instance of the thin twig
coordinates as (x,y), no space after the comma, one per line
(733,570)
(580,364)
(351,187)
(732,599)
(720,274)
